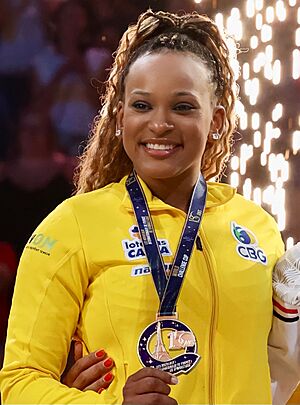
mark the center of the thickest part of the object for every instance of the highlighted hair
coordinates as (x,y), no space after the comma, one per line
(104,160)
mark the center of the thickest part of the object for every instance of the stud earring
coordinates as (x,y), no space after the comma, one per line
(118,132)
(215,136)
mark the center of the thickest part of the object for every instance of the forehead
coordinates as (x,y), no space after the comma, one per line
(169,71)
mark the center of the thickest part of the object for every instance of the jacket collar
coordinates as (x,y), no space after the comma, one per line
(217,194)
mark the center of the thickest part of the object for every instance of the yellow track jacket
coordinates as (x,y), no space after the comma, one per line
(84,272)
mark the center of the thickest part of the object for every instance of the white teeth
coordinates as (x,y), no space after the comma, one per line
(159,146)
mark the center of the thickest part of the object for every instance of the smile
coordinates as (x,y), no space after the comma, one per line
(156,146)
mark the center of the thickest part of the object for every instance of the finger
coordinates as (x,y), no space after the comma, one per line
(101,384)
(93,373)
(85,363)
(78,350)
(152,384)
(168,378)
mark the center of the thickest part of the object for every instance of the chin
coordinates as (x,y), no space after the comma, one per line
(156,172)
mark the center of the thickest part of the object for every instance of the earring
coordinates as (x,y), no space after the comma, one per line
(118,132)
(215,136)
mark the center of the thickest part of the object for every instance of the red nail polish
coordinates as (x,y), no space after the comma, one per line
(100,390)
(100,353)
(108,377)
(108,363)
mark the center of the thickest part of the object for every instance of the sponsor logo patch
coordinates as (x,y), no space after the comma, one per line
(248,247)
(144,269)
(41,243)
(134,250)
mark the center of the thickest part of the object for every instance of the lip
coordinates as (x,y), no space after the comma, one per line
(160,153)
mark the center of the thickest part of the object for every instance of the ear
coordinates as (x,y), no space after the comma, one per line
(120,114)
(218,120)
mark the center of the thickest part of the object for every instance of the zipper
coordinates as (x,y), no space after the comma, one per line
(213,321)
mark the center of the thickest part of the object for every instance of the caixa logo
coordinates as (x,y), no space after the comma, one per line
(247,247)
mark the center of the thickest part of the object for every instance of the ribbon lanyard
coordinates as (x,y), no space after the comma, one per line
(168,288)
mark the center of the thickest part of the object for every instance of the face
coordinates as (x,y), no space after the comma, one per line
(167,114)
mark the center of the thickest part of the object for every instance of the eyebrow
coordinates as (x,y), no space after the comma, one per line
(179,93)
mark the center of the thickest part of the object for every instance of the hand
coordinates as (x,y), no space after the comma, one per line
(149,386)
(91,372)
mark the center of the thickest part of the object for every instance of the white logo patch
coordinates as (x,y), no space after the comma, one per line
(143,270)
(133,248)
(247,247)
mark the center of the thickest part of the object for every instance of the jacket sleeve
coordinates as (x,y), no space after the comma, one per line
(48,297)
(284,339)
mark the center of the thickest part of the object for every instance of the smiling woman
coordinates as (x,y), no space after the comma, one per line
(170,273)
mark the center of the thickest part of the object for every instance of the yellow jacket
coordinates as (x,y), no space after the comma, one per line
(84,272)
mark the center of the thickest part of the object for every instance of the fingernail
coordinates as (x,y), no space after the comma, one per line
(100,390)
(100,353)
(174,380)
(108,363)
(108,377)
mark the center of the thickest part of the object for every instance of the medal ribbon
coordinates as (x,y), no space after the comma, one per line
(168,288)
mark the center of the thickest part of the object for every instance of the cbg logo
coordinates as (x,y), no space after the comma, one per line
(247,246)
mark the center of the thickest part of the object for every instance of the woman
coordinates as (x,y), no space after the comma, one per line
(170,101)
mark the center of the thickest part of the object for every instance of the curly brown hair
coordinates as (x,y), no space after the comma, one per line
(105,160)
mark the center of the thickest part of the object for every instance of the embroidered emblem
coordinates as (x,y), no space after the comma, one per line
(247,247)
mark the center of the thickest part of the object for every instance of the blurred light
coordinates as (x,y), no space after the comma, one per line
(297,40)
(269,53)
(257,139)
(197,1)
(280,10)
(277,112)
(254,42)
(259,4)
(270,14)
(266,33)
(255,121)
(247,189)
(289,243)
(246,71)
(298,15)
(234,179)
(276,72)
(235,163)
(258,21)
(296,142)
(257,195)
(292,3)
(250,8)
(219,19)
(296,64)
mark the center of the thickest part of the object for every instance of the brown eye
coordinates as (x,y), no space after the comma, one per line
(184,107)
(141,106)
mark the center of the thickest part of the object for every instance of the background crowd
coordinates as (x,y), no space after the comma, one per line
(54,58)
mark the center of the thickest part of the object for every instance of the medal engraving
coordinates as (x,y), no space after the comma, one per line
(180,338)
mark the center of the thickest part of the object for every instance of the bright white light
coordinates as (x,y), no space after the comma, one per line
(250,8)
(296,64)
(263,159)
(219,19)
(234,179)
(266,33)
(258,21)
(247,189)
(255,121)
(270,14)
(268,71)
(254,42)
(246,71)
(296,142)
(289,243)
(297,37)
(269,53)
(276,72)
(277,112)
(257,195)
(197,1)
(235,162)
(259,4)
(257,139)
(292,3)
(280,10)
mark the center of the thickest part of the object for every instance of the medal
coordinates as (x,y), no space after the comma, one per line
(151,347)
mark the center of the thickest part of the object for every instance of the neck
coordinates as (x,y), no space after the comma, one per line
(176,191)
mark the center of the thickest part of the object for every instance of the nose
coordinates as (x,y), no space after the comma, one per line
(160,125)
